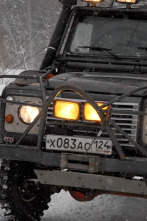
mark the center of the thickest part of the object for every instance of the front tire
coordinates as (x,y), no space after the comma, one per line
(24,200)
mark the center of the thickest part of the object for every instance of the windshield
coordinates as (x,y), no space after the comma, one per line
(121,36)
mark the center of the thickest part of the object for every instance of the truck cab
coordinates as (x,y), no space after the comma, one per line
(80,122)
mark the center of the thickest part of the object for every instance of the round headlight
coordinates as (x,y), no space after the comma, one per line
(28,114)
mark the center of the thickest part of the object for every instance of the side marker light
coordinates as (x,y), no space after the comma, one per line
(9,119)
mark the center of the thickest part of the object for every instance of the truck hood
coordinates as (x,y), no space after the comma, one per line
(112,83)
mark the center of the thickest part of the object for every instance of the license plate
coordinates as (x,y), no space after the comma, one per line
(78,144)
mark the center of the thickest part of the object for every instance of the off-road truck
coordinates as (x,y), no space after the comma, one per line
(80,122)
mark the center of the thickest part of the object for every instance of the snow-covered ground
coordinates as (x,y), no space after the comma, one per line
(103,208)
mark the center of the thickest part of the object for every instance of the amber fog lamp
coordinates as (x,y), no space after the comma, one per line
(90,113)
(9,119)
(66,110)
(28,114)
(93,1)
(128,1)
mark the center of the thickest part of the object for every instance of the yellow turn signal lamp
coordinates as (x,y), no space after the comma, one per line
(93,1)
(66,110)
(90,114)
(128,1)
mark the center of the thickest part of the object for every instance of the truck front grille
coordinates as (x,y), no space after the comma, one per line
(128,122)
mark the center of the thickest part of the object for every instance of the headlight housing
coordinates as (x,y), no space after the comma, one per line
(66,110)
(28,114)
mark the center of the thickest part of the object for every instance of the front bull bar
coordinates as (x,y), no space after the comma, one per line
(106,122)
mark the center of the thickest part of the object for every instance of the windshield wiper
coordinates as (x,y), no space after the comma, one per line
(109,51)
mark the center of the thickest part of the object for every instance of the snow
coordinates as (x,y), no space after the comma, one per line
(26,28)
(103,208)
(5,81)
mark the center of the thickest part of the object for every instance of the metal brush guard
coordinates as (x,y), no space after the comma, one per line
(106,122)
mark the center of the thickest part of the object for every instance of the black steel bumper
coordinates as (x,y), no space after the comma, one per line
(29,154)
